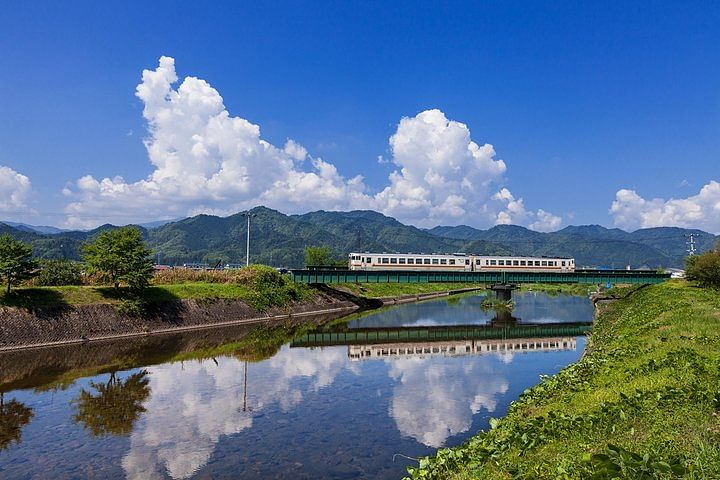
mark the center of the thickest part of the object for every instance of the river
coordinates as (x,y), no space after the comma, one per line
(303,401)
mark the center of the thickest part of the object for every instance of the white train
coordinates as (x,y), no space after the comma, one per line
(457,262)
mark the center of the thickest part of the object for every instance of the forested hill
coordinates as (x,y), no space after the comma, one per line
(278,239)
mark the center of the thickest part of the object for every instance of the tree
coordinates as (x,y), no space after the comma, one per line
(13,416)
(318,256)
(58,272)
(115,405)
(121,256)
(705,268)
(15,260)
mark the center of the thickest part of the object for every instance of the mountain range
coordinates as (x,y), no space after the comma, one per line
(278,239)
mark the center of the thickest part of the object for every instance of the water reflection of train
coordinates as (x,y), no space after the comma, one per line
(462,347)
(457,262)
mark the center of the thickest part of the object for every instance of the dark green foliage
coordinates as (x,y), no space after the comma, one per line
(114,406)
(315,256)
(705,268)
(55,273)
(121,256)
(16,263)
(13,417)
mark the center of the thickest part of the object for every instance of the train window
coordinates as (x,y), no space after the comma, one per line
(467,261)
(385,260)
(478,261)
(451,261)
(393,260)
(492,262)
(401,261)
(563,263)
(426,261)
(418,261)
(516,263)
(443,261)
(522,263)
(411,261)
(435,261)
(501,262)
(537,263)
(543,263)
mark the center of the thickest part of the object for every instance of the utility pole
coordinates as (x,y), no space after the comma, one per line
(247,245)
(691,244)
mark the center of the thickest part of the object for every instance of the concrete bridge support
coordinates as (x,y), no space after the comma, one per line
(503,291)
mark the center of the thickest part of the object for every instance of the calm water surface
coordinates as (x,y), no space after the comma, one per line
(253,410)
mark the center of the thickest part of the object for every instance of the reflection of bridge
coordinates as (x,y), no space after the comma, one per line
(457,348)
(373,336)
(595,277)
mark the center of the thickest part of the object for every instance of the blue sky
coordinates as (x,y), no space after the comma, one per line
(585,103)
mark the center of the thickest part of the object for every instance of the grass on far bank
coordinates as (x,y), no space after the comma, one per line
(559,288)
(260,287)
(642,403)
(379,290)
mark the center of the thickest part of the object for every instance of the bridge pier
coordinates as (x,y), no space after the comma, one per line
(503,291)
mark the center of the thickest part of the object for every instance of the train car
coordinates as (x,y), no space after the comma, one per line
(523,264)
(457,262)
(454,262)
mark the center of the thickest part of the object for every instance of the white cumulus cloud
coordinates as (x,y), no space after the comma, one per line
(513,212)
(14,191)
(631,211)
(207,161)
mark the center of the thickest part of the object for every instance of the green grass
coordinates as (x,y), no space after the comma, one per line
(260,297)
(642,403)
(558,288)
(379,290)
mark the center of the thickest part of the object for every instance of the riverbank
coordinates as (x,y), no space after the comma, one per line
(46,316)
(643,400)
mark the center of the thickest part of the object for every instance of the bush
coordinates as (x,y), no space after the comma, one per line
(55,273)
(704,269)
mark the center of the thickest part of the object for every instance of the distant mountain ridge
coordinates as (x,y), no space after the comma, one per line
(280,239)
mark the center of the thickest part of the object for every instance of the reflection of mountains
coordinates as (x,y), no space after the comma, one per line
(530,307)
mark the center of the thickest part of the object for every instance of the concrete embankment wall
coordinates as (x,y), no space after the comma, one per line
(24,328)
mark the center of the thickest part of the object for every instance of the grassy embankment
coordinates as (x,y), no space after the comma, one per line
(642,403)
(260,287)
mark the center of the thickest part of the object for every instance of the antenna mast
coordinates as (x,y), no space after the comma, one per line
(691,244)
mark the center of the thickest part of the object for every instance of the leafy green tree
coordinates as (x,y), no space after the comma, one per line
(58,272)
(114,406)
(315,255)
(705,268)
(120,255)
(13,416)
(15,260)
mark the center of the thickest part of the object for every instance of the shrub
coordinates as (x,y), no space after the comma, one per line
(704,269)
(57,273)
